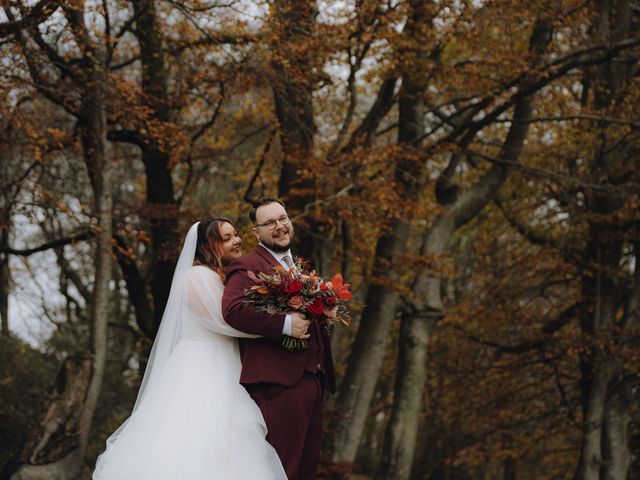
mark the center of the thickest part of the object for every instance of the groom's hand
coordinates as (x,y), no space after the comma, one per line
(299,325)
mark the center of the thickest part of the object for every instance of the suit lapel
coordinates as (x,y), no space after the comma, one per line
(264,253)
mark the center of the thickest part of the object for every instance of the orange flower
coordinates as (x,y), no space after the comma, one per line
(261,289)
(340,288)
(296,302)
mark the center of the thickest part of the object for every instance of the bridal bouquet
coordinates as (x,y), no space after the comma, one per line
(303,291)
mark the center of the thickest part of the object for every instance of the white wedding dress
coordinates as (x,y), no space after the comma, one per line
(192,419)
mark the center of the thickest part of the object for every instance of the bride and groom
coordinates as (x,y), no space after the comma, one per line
(221,398)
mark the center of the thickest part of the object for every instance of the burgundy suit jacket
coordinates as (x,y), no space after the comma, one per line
(264,359)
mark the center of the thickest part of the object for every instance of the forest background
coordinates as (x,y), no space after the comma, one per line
(470,166)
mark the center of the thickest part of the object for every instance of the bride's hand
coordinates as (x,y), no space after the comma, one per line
(299,326)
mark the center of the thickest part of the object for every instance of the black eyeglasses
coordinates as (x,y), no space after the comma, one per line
(271,224)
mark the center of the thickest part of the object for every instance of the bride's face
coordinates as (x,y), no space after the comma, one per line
(231,243)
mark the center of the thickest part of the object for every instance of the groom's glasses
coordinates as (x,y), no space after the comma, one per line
(271,224)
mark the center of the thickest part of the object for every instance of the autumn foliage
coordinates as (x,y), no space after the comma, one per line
(471,167)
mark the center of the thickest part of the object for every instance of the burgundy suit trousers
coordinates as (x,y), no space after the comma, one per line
(294,421)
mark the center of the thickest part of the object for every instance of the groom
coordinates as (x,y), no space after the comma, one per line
(287,386)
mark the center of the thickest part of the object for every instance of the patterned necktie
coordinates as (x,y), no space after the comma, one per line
(287,259)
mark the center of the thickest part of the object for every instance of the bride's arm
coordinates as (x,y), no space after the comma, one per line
(204,298)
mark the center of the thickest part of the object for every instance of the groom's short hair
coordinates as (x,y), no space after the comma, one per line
(262,201)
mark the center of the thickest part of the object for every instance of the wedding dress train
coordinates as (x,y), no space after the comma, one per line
(192,419)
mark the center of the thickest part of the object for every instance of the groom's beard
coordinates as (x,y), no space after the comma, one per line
(277,247)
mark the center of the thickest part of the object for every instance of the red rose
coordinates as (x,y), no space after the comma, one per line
(294,287)
(316,308)
(330,301)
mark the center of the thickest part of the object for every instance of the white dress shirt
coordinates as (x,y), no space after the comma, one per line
(279,256)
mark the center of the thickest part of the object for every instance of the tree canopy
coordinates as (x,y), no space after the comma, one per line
(471,167)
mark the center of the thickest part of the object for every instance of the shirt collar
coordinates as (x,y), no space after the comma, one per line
(277,255)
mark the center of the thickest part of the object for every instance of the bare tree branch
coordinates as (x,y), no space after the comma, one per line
(533,80)
(138,295)
(563,319)
(208,124)
(247,194)
(525,230)
(72,275)
(542,173)
(49,91)
(567,118)
(36,15)
(383,103)
(77,237)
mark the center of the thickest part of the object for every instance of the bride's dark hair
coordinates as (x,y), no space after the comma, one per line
(209,246)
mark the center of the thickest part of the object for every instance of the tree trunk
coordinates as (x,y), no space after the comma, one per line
(5,225)
(98,162)
(427,308)
(604,452)
(4,294)
(381,301)
(292,83)
(55,450)
(367,354)
(603,421)
(616,452)
(401,434)
(510,471)
(590,451)
(616,457)
(52,451)
(599,285)
(162,208)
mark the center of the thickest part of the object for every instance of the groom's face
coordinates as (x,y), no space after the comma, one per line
(273,227)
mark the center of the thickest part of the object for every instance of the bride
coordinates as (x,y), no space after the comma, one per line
(192,419)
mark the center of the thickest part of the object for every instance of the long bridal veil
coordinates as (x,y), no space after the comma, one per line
(192,419)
